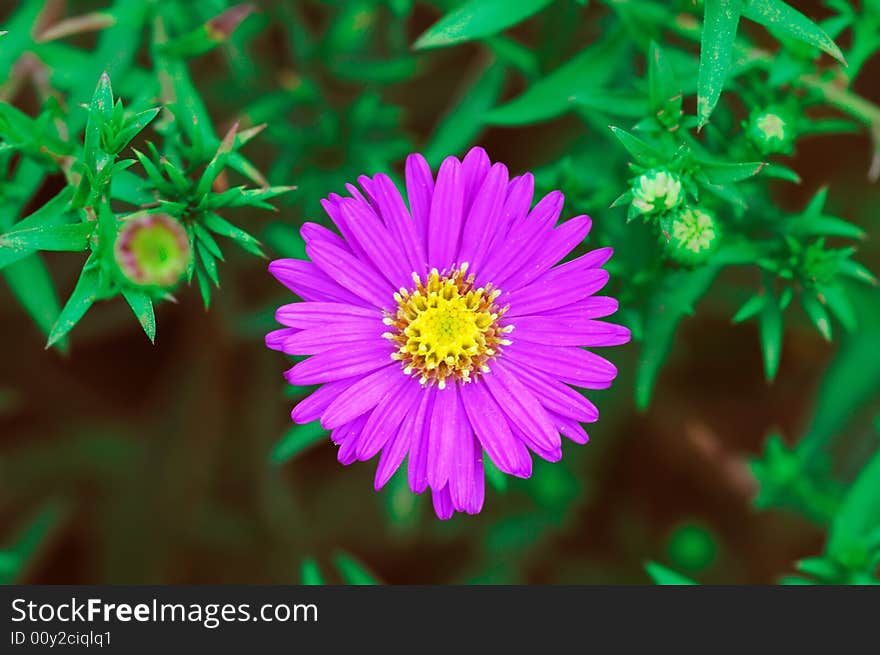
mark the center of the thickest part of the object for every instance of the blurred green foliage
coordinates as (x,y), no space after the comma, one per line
(734,190)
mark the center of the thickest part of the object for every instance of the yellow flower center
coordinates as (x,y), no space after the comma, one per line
(446,328)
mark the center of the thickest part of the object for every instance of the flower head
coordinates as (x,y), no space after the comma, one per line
(656,191)
(446,330)
(153,250)
(771,130)
(693,234)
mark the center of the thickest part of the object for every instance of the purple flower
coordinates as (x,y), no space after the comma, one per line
(447,329)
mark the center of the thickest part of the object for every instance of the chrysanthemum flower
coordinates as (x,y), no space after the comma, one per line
(445,330)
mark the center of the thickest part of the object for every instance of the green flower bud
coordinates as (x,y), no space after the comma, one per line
(153,250)
(656,191)
(820,265)
(692,235)
(771,130)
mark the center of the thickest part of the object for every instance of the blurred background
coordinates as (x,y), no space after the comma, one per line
(126,462)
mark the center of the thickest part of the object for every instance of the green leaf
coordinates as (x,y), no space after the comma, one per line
(77,305)
(720,22)
(817,314)
(352,571)
(494,475)
(310,573)
(553,93)
(770,327)
(73,237)
(29,541)
(750,308)
(859,513)
(100,110)
(665,576)
(142,306)
(781,16)
(642,153)
(30,282)
(213,33)
(221,226)
(728,173)
(825,226)
(674,300)
(296,440)
(834,296)
(665,90)
(477,19)
(54,212)
(851,381)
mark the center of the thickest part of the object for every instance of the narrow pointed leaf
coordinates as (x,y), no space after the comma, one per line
(30,282)
(476,19)
(662,575)
(859,513)
(779,15)
(720,22)
(310,574)
(142,306)
(72,237)
(296,440)
(77,305)
(770,325)
(352,571)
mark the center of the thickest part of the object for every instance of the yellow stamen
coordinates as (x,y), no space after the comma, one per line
(445,329)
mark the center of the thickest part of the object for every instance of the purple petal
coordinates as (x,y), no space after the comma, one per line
(332,205)
(397,217)
(483,217)
(386,418)
(312,406)
(570,428)
(321,339)
(520,406)
(394,452)
(474,168)
(275,339)
(351,273)
(571,365)
(461,474)
(568,332)
(314,232)
(561,242)
(362,396)
(342,362)
(310,283)
(443,431)
(525,239)
(442,503)
(554,289)
(317,314)
(348,436)
(382,249)
(417,464)
(478,489)
(444,222)
(550,454)
(420,191)
(490,426)
(584,310)
(557,397)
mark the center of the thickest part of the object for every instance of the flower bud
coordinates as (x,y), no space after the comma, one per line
(152,250)
(656,191)
(771,131)
(692,235)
